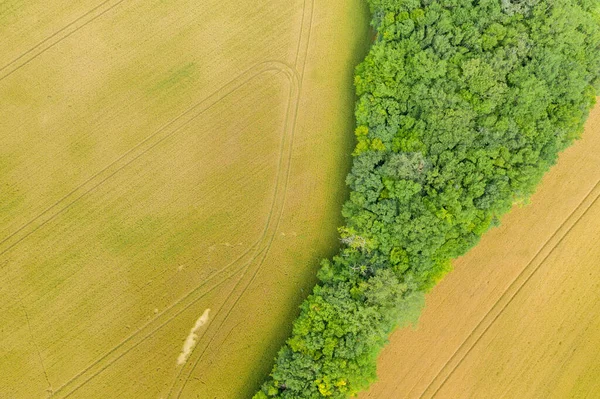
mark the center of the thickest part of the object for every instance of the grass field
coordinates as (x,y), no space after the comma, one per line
(518,317)
(158,159)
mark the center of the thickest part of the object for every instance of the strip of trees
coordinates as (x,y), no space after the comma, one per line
(463,105)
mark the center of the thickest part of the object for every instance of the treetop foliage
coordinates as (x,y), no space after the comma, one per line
(462,107)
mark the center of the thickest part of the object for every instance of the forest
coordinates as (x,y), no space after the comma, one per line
(462,107)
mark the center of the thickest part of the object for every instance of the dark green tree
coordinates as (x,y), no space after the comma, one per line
(462,107)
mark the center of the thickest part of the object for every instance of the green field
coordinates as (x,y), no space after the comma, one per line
(160,158)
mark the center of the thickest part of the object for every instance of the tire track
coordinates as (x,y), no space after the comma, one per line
(515,287)
(245,287)
(135,153)
(35,345)
(276,208)
(205,347)
(307,14)
(46,44)
(129,343)
(149,329)
(231,308)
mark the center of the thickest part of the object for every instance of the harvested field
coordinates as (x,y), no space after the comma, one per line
(160,158)
(518,317)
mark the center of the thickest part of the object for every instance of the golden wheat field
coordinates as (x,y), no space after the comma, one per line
(170,174)
(519,316)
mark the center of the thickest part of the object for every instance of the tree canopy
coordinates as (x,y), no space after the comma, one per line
(462,107)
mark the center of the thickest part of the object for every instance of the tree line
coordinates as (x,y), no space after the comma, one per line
(462,107)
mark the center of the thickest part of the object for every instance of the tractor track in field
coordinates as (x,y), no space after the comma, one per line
(248,264)
(301,57)
(46,44)
(147,331)
(142,148)
(230,270)
(490,317)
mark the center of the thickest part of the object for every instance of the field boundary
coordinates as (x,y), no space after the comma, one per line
(510,293)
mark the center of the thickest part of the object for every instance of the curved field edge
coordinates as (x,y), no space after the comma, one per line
(462,109)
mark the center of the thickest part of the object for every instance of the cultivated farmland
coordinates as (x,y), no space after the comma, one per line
(518,317)
(158,159)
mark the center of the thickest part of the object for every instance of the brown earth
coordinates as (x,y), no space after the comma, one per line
(519,316)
